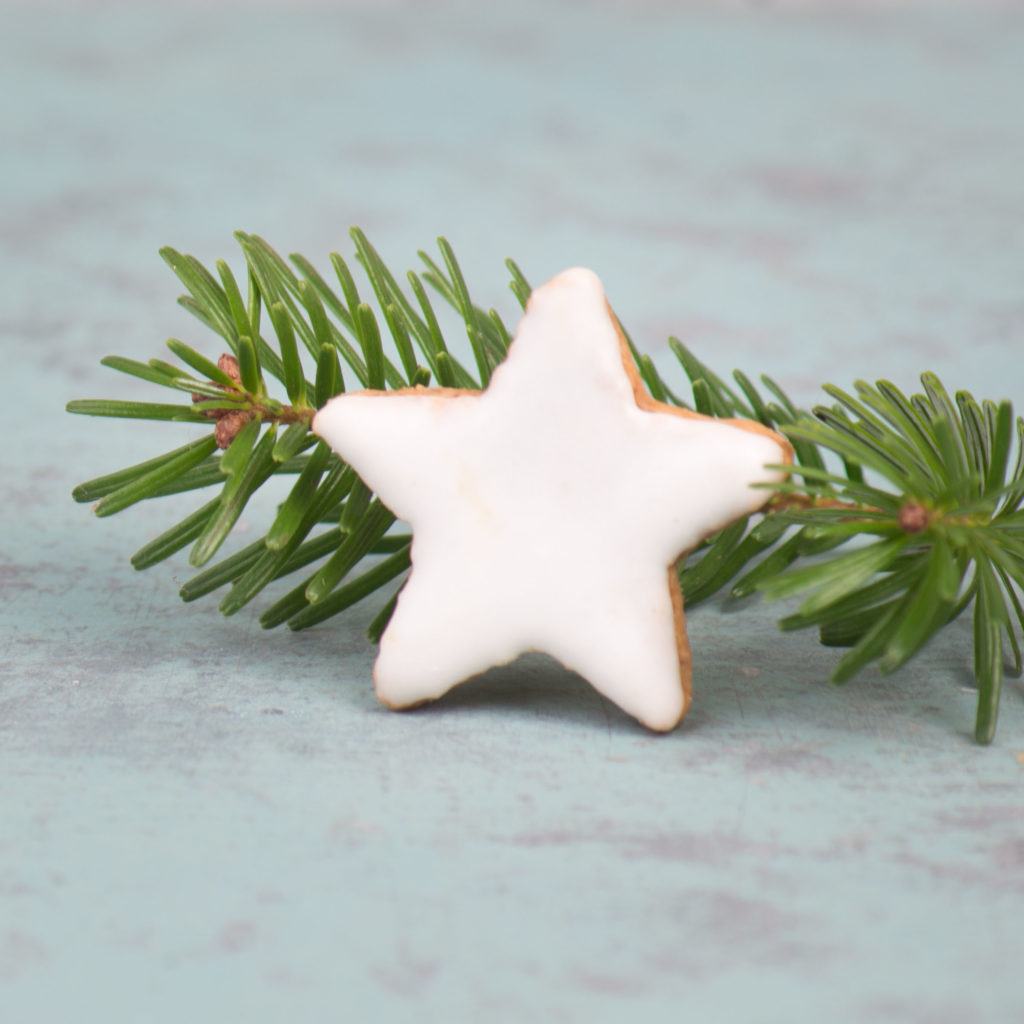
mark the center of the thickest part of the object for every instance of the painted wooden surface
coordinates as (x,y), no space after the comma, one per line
(199,821)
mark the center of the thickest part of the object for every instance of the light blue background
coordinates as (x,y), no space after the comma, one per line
(199,821)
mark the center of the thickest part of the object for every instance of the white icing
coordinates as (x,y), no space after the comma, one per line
(547,510)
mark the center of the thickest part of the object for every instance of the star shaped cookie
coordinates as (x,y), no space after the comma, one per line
(548,511)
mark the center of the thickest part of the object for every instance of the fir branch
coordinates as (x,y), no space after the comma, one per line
(942,524)
(900,512)
(261,436)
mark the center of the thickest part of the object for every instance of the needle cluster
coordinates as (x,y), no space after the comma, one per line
(900,513)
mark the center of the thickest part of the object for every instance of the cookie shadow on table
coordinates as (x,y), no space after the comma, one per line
(534,686)
(785,703)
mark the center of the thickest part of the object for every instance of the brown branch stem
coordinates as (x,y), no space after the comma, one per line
(231,418)
(782,502)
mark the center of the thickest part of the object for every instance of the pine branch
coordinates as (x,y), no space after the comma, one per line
(326,524)
(899,513)
(942,521)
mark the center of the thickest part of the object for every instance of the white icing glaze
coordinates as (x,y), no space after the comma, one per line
(547,510)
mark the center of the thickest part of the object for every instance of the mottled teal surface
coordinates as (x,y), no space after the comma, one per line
(202,822)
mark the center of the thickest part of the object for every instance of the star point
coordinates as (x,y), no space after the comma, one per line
(548,512)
